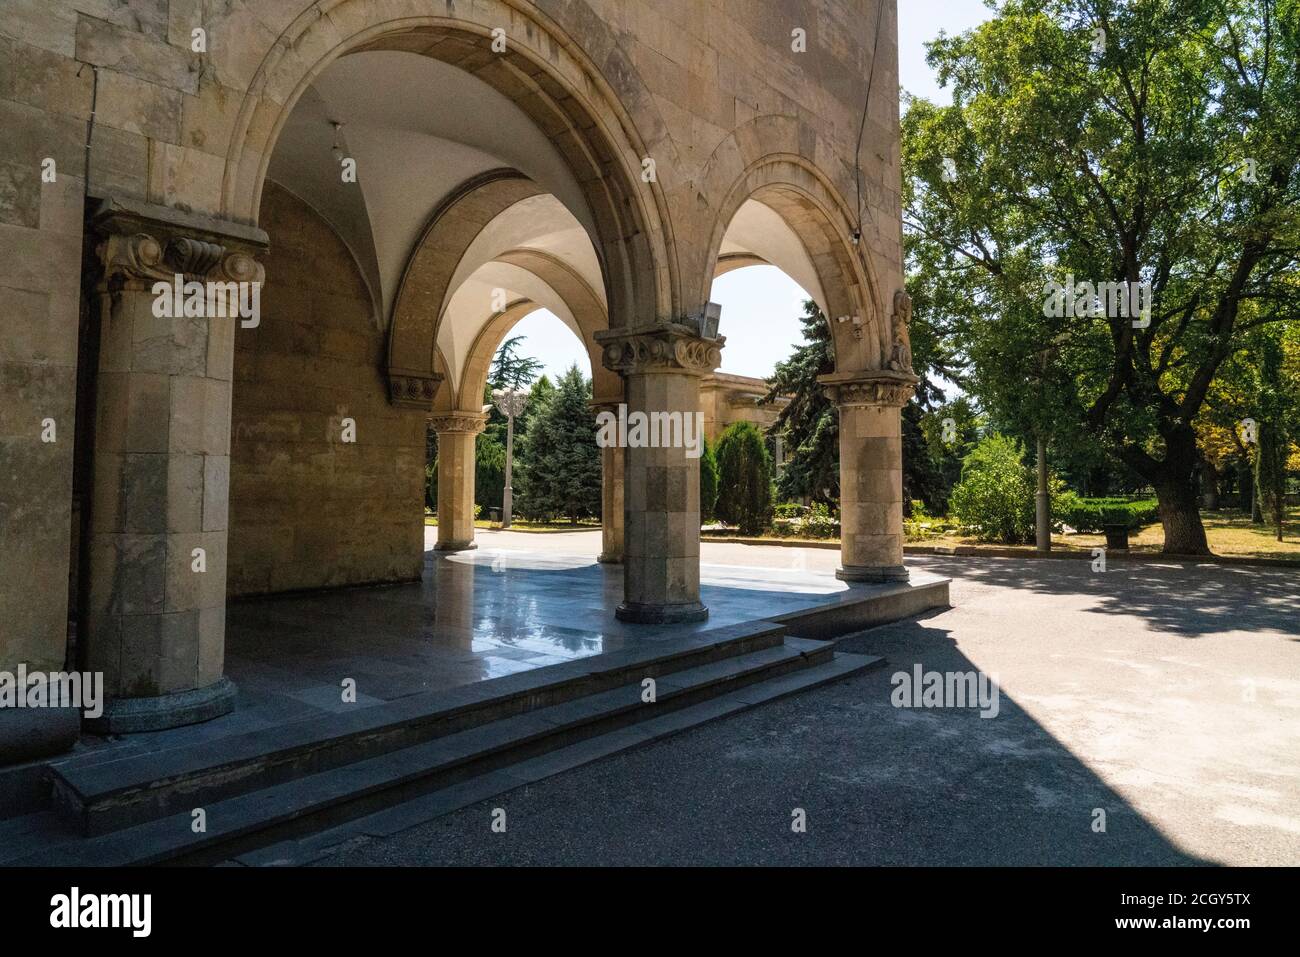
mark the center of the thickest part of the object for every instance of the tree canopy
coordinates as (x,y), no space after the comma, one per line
(1153,144)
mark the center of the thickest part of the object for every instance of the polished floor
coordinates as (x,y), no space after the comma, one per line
(518,601)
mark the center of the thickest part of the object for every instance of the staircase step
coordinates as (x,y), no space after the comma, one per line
(104,795)
(467,765)
(299,851)
(19,834)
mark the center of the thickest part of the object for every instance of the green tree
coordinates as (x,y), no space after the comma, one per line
(809,424)
(1277,405)
(950,432)
(490,446)
(559,461)
(996,493)
(509,370)
(744,479)
(1164,151)
(1261,383)
(708,482)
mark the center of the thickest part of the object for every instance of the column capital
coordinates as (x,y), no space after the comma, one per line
(144,243)
(660,347)
(463,422)
(873,387)
(413,389)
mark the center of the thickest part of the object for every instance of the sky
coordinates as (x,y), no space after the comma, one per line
(760,304)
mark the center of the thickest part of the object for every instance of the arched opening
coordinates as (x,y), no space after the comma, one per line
(534,78)
(762,309)
(541,355)
(421,197)
(843,416)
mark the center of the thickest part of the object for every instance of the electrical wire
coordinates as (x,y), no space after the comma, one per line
(866,106)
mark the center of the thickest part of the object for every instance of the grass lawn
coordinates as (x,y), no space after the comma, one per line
(1230,533)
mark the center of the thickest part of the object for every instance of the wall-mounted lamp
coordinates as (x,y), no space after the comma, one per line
(707,322)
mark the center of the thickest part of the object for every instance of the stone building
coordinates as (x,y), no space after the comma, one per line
(399,181)
(726,398)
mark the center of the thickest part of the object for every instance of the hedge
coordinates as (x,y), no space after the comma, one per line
(1092,514)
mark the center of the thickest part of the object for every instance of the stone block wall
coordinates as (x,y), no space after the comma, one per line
(708,87)
(43,106)
(307,509)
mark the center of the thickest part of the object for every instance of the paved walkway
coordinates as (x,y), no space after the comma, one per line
(1166,696)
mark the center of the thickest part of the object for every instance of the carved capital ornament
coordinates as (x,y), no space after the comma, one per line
(141,243)
(663,347)
(875,388)
(464,422)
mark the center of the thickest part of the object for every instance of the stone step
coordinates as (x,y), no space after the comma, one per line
(104,795)
(296,852)
(20,833)
(463,765)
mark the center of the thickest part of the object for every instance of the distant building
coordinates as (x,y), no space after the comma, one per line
(727,398)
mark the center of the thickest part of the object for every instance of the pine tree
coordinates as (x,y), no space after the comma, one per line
(708,482)
(511,370)
(810,423)
(744,479)
(559,471)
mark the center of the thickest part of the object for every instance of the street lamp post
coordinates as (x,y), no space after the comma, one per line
(1042,498)
(511,403)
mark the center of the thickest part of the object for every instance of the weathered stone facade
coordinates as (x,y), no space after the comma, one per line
(307,509)
(601,158)
(726,398)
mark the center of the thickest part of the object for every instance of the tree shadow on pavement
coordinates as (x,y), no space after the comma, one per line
(1188,600)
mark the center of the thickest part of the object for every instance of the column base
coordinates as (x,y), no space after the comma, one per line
(454,546)
(873,573)
(131,715)
(606,559)
(30,733)
(643,614)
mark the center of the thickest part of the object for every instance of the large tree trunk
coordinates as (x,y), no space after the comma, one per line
(1180,516)
(1270,476)
(1174,480)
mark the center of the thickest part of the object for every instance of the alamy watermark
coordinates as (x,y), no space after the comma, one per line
(133,912)
(945,689)
(54,689)
(1103,300)
(651,430)
(208,300)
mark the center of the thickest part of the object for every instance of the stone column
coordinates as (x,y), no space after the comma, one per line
(661,365)
(156,555)
(456,434)
(611,491)
(871,472)
(612,463)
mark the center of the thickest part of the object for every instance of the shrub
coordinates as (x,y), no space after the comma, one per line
(995,496)
(744,479)
(1093,514)
(820,523)
(708,482)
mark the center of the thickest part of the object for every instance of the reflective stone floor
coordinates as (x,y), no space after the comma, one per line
(518,601)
